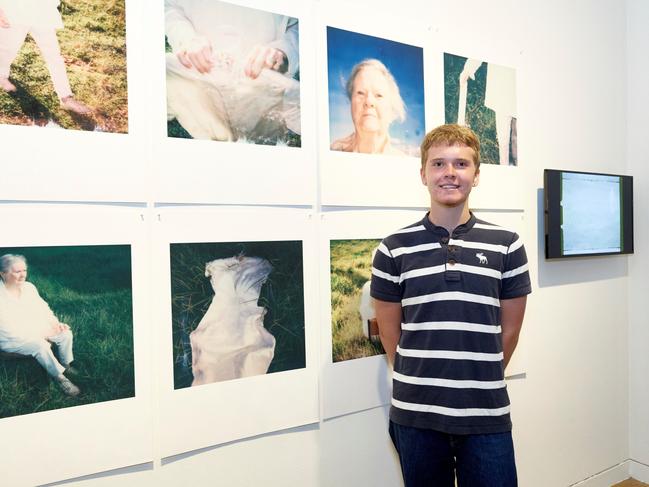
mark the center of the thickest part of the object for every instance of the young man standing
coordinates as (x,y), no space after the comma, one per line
(450,293)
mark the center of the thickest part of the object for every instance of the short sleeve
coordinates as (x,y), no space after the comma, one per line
(516,276)
(385,284)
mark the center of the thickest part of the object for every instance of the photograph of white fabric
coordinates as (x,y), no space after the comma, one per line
(232,73)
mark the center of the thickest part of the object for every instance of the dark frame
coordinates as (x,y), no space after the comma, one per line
(553,215)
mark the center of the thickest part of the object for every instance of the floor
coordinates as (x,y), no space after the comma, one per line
(631,483)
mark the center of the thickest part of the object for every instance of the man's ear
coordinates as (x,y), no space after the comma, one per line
(422,174)
(476,178)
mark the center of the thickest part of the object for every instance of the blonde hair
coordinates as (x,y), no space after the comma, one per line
(451,134)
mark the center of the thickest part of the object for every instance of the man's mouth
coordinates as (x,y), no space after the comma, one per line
(449,186)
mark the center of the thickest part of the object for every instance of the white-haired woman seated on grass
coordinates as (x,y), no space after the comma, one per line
(29,327)
(375,104)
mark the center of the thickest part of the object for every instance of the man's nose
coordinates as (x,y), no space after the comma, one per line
(449,170)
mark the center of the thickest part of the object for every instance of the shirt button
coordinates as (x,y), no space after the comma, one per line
(451,261)
(444,240)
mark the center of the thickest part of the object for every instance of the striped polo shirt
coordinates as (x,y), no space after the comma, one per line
(448,370)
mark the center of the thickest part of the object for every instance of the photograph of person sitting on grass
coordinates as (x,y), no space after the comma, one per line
(63,64)
(66,327)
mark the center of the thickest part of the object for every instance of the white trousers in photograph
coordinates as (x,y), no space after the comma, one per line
(12,39)
(41,350)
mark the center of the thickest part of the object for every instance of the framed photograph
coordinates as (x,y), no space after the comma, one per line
(72,109)
(232,102)
(237,310)
(355,371)
(354,331)
(66,327)
(482,95)
(70,71)
(376,94)
(237,331)
(233,73)
(74,340)
(375,107)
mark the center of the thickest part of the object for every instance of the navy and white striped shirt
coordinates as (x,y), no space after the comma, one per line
(448,371)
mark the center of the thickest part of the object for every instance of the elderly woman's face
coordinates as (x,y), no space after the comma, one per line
(16,275)
(371,101)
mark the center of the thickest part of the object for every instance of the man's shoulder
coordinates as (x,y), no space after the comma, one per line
(487,232)
(409,235)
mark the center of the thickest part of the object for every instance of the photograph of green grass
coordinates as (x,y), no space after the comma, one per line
(82,88)
(482,96)
(89,288)
(351,269)
(237,310)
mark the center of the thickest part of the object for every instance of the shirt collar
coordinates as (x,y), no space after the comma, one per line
(442,232)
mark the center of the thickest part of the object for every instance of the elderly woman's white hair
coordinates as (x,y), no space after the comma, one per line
(396,102)
(7,260)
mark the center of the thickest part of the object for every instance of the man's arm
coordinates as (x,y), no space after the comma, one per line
(512,312)
(388,317)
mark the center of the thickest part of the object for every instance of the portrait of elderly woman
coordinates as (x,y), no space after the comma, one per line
(376,94)
(66,327)
(375,104)
(29,327)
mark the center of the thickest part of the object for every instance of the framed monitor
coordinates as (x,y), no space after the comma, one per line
(587,214)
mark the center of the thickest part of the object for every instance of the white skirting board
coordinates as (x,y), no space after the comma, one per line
(639,471)
(608,477)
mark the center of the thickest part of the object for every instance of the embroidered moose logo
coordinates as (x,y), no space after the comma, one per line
(482,258)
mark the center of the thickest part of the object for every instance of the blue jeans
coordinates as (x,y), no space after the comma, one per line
(432,459)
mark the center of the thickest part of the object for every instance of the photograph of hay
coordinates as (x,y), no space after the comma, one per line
(237,310)
(66,327)
(482,96)
(376,94)
(353,321)
(63,64)
(233,73)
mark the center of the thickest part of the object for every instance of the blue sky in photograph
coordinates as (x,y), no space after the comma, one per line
(405,62)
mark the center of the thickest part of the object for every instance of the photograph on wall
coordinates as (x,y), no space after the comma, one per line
(66,327)
(482,96)
(237,310)
(63,64)
(233,73)
(354,330)
(376,94)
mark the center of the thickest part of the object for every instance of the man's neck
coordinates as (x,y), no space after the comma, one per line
(449,218)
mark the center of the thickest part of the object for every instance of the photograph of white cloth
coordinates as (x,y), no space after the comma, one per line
(225,103)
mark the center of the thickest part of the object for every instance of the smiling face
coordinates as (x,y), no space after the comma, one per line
(16,275)
(370,100)
(449,174)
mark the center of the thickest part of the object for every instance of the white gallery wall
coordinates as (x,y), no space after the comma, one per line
(637,129)
(579,410)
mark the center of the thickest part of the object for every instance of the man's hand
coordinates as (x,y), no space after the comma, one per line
(198,55)
(265,57)
(388,316)
(4,21)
